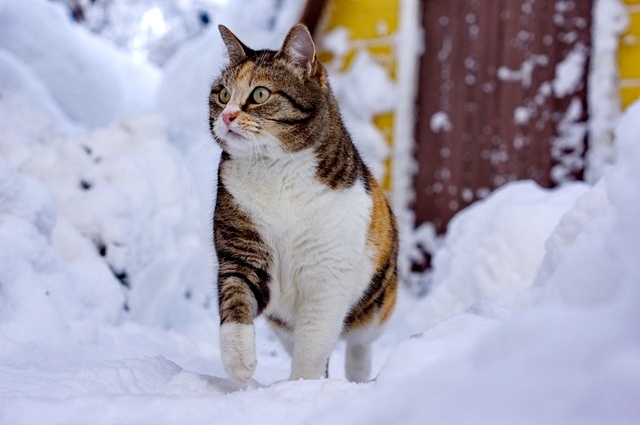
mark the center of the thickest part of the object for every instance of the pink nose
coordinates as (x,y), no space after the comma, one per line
(228,117)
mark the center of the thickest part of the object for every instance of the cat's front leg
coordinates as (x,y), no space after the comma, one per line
(237,335)
(243,283)
(237,349)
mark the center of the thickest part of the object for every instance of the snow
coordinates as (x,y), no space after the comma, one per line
(107,308)
(569,71)
(521,115)
(487,255)
(408,49)
(440,122)
(567,149)
(152,30)
(609,22)
(91,80)
(18,77)
(525,73)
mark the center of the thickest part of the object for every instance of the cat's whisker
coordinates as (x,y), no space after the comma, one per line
(193,159)
(255,146)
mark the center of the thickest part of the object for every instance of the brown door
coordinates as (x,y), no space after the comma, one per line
(501,98)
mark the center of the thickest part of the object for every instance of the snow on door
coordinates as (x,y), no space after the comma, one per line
(502,97)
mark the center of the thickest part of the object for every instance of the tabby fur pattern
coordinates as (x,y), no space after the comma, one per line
(302,230)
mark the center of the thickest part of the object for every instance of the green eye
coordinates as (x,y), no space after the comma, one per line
(224,96)
(260,95)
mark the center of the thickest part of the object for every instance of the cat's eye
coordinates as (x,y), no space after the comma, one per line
(260,95)
(224,95)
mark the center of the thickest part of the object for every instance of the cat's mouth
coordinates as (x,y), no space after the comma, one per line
(234,134)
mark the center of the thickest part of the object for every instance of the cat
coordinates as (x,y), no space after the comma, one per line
(302,231)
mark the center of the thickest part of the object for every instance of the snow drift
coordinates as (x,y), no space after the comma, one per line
(106,294)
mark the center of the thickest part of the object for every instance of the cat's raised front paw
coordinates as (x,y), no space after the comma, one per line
(237,348)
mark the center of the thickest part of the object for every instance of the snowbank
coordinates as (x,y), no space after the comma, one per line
(89,79)
(120,193)
(493,248)
(17,78)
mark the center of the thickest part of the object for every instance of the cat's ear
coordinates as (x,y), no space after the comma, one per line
(237,50)
(299,49)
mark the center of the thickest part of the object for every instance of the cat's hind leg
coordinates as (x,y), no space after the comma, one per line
(358,362)
(358,356)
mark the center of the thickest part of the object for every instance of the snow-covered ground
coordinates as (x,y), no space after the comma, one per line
(107,309)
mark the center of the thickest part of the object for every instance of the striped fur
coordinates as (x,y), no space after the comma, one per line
(302,230)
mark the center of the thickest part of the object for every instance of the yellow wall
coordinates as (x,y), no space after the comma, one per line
(371,24)
(629,56)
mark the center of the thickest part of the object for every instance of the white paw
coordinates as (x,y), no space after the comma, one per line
(237,349)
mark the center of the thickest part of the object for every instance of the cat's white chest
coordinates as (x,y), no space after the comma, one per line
(317,235)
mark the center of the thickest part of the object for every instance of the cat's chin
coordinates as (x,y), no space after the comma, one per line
(252,148)
(231,136)
(235,143)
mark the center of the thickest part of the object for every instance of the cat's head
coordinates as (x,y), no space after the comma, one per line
(268,103)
